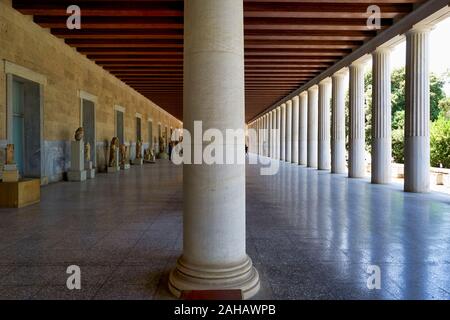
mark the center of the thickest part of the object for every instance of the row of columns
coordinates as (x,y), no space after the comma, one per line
(307,135)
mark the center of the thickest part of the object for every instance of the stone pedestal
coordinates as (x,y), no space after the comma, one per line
(125,166)
(77,172)
(20,193)
(138,162)
(90,171)
(10,173)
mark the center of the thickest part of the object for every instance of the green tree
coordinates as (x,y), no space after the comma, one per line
(440,142)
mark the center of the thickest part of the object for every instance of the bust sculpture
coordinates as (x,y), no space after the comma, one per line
(9,154)
(139,149)
(113,161)
(79,134)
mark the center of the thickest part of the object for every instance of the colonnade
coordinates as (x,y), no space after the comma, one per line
(310,127)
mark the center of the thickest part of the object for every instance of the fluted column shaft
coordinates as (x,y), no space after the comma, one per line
(417,112)
(303,129)
(214,240)
(288,131)
(381,116)
(324,152)
(312,126)
(278,135)
(338,164)
(273,139)
(357,134)
(283,132)
(295,110)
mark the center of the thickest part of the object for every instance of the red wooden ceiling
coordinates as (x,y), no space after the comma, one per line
(287,42)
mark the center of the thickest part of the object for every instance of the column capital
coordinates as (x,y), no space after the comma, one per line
(325,81)
(304,93)
(381,50)
(340,73)
(295,98)
(419,29)
(313,88)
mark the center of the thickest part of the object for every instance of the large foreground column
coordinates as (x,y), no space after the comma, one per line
(381,116)
(357,135)
(294,151)
(324,152)
(214,255)
(303,129)
(312,126)
(283,132)
(417,113)
(338,124)
(288,131)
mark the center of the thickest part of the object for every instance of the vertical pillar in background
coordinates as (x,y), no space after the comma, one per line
(417,111)
(283,132)
(214,251)
(278,134)
(324,151)
(338,123)
(357,126)
(269,134)
(303,129)
(274,134)
(381,116)
(312,126)
(288,131)
(295,107)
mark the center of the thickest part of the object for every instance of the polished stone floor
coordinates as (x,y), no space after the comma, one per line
(311,235)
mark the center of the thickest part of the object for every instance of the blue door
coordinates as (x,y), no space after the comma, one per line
(18,124)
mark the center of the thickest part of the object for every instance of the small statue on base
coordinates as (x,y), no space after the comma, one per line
(149,156)
(139,149)
(87,152)
(10,172)
(114,146)
(9,151)
(79,134)
(124,162)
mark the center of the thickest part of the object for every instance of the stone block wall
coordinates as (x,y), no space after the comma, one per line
(67,73)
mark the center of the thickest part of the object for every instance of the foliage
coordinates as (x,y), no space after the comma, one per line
(440,142)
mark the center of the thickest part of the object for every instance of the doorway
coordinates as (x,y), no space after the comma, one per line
(150,135)
(119,126)
(25,124)
(89,126)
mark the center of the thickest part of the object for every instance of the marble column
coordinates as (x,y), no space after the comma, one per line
(381,116)
(273,139)
(338,164)
(303,129)
(417,111)
(294,152)
(312,126)
(269,134)
(288,131)
(214,250)
(283,132)
(324,152)
(278,135)
(357,134)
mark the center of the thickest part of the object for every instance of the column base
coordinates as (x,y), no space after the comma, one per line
(243,277)
(77,176)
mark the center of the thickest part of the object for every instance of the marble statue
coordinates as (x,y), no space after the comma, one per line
(139,149)
(79,134)
(87,151)
(123,154)
(113,162)
(9,154)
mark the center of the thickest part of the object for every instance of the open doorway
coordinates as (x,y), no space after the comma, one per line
(88,124)
(24,121)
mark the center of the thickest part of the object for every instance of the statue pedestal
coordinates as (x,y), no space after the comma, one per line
(115,168)
(10,173)
(125,166)
(90,171)
(77,172)
(138,162)
(20,194)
